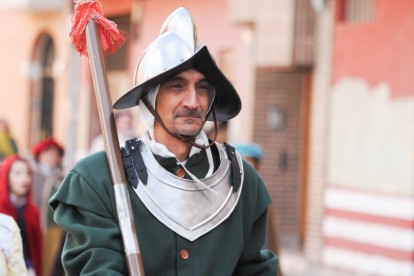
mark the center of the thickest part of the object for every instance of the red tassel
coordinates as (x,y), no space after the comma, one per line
(110,35)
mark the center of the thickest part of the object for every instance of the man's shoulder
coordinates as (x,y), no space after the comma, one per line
(254,190)
(92,165)
(250,170)
(250,175)
(90,172)
(87,186)
(97,157)
(252,179)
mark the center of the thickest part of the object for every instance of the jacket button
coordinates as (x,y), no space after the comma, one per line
(180,172)
(184,254)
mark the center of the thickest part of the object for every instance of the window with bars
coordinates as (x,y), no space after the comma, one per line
(359,11)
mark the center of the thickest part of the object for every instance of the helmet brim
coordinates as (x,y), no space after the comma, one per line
(227,102)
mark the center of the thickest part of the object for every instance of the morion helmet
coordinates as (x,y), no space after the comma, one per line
(178,49)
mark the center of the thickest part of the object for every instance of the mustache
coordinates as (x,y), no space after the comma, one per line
(195,113)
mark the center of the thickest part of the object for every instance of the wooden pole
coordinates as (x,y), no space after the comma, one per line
(113,153)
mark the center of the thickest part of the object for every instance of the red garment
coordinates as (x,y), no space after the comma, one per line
(39,147)
(30,213)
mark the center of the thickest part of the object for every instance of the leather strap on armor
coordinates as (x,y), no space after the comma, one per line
(235,167)
(132,159)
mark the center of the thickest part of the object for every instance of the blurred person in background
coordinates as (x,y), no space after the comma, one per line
(253,153)
(123,122)
(7,145)
(48,175)
(11,248)
(16,179)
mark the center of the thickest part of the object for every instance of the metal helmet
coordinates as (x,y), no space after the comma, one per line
(178,49)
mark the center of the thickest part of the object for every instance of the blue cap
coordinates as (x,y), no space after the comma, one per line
(249,149)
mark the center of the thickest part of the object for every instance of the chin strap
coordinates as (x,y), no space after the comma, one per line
(189,139)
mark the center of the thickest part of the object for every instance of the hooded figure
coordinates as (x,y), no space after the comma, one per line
(15,201)
(47,176)
(48,173)
(199,209)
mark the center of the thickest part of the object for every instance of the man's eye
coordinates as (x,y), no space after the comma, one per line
(177,85)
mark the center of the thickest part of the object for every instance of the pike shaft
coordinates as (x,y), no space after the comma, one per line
(116,169)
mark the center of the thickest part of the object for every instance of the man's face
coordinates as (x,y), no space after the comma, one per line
(50,156)
(182,102)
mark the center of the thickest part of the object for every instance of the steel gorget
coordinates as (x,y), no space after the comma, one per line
(184,206)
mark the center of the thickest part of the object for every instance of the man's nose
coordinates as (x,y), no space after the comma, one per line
(191,101)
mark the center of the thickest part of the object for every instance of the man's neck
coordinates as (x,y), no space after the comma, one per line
(180,148)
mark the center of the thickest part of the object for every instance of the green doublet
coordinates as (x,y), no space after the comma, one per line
(85,207)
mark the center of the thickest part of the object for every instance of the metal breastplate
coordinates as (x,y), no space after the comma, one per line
(185,206)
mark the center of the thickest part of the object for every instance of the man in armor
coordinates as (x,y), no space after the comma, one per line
(199,209)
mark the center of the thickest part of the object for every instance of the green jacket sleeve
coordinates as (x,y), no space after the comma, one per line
(253,260)
(93,243)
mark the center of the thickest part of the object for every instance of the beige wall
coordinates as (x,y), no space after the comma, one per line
(371,142)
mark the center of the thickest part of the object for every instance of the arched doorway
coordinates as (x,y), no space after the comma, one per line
(42,94)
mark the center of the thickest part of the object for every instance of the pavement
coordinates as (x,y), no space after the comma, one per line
(293,263)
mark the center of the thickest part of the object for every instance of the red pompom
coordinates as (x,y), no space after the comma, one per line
(110,35)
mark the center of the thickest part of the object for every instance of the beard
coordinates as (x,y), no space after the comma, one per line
(197,123)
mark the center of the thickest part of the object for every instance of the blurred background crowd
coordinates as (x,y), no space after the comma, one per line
(328,109)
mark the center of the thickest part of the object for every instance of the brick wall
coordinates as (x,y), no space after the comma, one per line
(281,163)
(277,88)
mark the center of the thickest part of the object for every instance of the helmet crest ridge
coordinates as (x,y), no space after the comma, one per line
(181,23)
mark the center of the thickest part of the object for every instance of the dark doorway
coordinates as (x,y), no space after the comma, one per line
(281,128)
(42,97)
